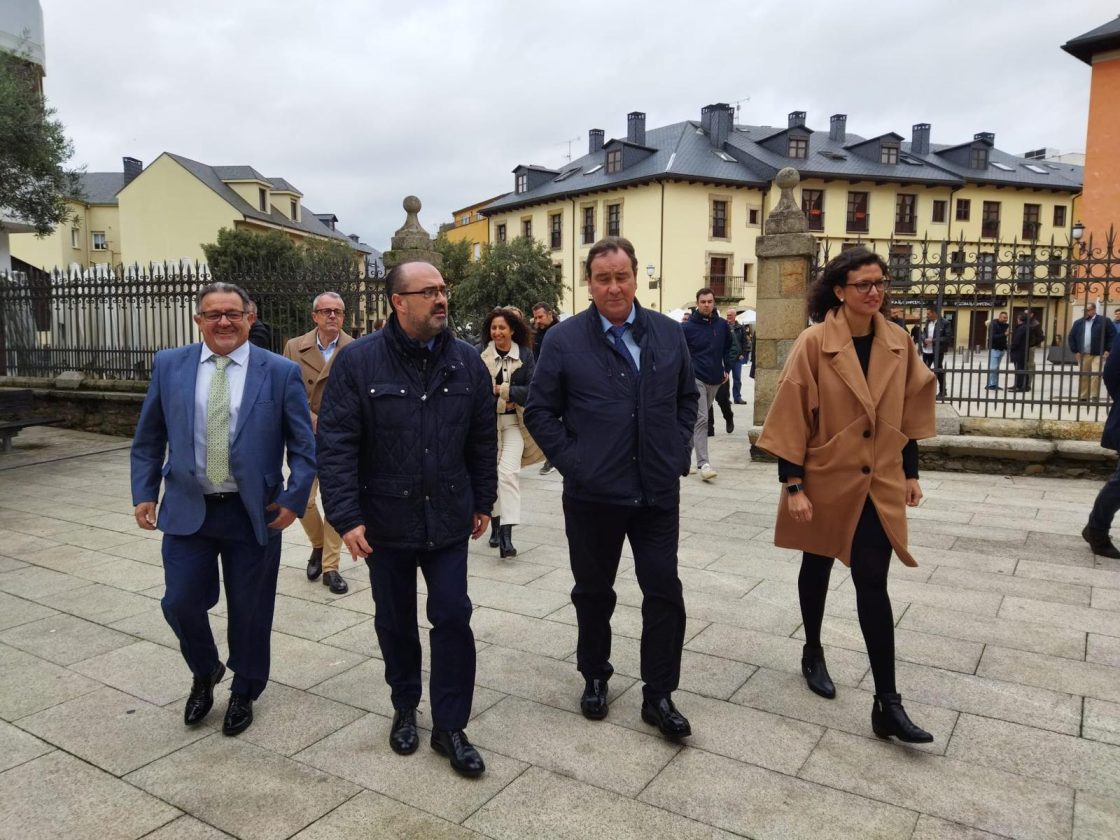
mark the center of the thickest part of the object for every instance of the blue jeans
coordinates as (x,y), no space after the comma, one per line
(995,361)
(737,380)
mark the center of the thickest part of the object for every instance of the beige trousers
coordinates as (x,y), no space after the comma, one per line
(1089,382)
(510,447)
(320,532)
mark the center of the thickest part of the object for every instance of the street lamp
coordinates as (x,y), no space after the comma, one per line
(654,283)
(1078,231)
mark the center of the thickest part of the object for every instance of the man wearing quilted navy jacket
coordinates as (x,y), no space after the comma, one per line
(409,471)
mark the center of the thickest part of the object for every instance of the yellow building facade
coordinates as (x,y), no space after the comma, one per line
(469,225)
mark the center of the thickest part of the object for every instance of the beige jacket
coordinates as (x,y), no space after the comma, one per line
(314,371)
(512,362)
(848,431)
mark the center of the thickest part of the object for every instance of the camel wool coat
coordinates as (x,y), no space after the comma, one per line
(848,431)
(313,370)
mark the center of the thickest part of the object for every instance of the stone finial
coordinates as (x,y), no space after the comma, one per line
(411,241)
(786,217)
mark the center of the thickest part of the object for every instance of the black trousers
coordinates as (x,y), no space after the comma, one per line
(936,364)
(871,558)
(190,572)
(723,400)
(595,534)
(392,574)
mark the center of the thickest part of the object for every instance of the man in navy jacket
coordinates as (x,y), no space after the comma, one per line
(223,412)
(709,343)
(408,467)
(613,406)
(1089,339)
(1096,532)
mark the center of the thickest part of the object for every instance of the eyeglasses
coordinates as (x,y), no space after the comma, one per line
(865,287)
(430,293)
(330,313)
(215,317)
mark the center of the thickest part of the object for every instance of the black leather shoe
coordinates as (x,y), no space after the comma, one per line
(664,715)
(816,673)
(465,759)
(201,699)
(1100,543)
(315,564)
(730,425)
(238,716)
(593,703)
(505,542)
(711,430)
(402,736)
(495,524)
(740,402)
(334,580)
(889,718)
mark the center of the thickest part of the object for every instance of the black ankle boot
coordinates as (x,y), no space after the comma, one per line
(1100,542)
(889,718)
(495,523)
(816,673)
(505,537)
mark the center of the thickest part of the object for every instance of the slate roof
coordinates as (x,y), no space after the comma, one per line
(212,177)
(1104,37)
(283,185)
(683,151)
(100,187)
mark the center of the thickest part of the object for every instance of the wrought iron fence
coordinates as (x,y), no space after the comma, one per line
(110,322)
(969,284)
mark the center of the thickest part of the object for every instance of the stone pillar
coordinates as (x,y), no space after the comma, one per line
(785,253)
(411,242)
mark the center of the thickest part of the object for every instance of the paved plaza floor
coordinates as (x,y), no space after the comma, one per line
(1008,646)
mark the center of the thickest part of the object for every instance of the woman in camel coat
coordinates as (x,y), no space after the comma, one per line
(852,402)
(511,364)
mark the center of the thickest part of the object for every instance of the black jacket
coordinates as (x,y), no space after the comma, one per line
(615,440)
(998,333)
(1021,344)
(709,342)
(407,440)
(1111,376)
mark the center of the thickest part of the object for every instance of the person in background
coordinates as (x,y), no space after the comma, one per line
(1020,352)
(897,317)
(544,319)
(511,364)
(935,341)
(709,344)
(740,348)
(997,349)
(1090,339)
(1097,530)
(852,401)
(260,333)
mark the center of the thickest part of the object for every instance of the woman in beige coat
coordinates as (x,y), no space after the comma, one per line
(511,364)
(852,402)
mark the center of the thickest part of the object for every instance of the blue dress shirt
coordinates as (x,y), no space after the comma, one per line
(627,337)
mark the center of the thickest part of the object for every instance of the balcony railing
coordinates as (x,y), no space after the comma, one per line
(905,226)
(859,223)
(990,229)
(816,219)
(726,286)
(1030,230)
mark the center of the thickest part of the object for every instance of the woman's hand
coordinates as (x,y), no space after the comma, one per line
(497,390)
(913,492)
(800,508)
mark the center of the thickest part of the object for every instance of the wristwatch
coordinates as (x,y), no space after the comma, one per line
(795,488)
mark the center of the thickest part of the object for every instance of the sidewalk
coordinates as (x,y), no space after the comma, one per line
(1008,645)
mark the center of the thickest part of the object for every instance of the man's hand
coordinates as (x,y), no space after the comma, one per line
(726,376)
(355,540)
(481,522)
(283,519)
(145,514)
(913,492)
(497,390)
(1077,357)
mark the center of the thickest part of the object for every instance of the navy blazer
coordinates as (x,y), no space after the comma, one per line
(273,417)
(1099,340)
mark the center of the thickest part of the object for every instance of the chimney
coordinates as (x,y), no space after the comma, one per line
(919,139)
(636,128)
(594,140)
(796,118)
(353,237)
(985,137)
(838,130)
(132,168)
(720,119)
(706,118)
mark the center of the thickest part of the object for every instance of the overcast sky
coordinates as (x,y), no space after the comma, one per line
(361,103)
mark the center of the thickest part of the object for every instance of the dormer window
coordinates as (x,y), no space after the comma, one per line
(522,183)
(978,158)
(888,154)
(798,148)
(295,210)
(262,199)
(614,161)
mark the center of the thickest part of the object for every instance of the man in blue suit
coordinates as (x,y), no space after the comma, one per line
(223,412)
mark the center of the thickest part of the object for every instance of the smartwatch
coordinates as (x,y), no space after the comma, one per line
(794,488)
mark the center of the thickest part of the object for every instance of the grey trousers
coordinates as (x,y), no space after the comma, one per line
(700,433)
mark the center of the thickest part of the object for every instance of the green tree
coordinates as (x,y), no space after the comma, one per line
(517,273)
(457,260)
(238,254)
(34,181)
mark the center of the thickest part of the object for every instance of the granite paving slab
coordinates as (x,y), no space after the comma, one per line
(371,816)
(59,796)
(16,746)
(1019,666)
(15,611)
(210,780)
(64,639)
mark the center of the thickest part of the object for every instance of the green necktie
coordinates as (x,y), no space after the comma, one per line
(217,424)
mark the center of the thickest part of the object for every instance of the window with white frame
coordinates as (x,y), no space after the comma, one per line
(98,241)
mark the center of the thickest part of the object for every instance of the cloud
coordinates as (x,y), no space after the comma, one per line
(361,103)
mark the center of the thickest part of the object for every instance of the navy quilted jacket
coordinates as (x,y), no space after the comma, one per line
(407,442)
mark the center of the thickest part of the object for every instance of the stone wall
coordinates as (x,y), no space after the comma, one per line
(110,409)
